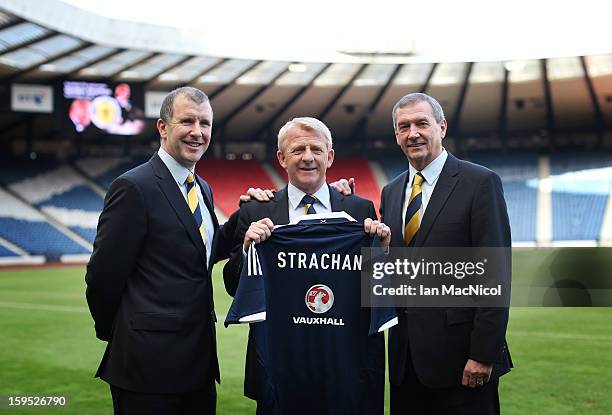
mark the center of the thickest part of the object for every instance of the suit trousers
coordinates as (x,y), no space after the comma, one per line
(200,402)
(411,397)
(266,409)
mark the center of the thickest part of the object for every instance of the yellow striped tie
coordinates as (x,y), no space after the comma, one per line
(413,212)
(194,206)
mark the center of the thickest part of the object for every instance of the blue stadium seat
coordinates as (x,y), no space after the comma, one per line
(522,204)
(88,234)
(577,216)
(12,171)
(5,252)
(393,166)
(107,178)
(38,238)
(80,197)
(519,174)
(580,188)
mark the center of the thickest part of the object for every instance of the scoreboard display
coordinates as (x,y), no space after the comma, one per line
(111,108)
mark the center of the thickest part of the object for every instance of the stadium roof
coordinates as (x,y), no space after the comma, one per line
(253,95)
(332,31)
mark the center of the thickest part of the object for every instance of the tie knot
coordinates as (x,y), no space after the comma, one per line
(309,200)
(190,179)
(418,179)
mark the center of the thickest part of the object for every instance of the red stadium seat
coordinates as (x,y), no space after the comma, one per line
(231,178)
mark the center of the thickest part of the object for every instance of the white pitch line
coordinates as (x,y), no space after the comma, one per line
(563,336)
(43,307)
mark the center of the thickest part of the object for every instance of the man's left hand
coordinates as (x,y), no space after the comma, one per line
(476,374)
(261,195)
(376,228)
(346,187)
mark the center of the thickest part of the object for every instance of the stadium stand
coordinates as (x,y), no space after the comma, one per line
(359,168)
(12,170)
(64,195)
(26,228)
(393,166)
(231,178)
(5,252)
(580,186)
(103,170)
(519,174)
(256,94)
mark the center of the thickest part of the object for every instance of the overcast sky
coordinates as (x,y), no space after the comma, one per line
(435,30)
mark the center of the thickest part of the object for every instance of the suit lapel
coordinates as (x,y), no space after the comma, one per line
(173,194)
(279,207)
(444,187)
(211,210)
(208,203)
(393,212)
(336,200)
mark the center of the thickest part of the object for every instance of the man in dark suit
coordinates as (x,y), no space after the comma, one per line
(148,280)
(443,360)
(305,152)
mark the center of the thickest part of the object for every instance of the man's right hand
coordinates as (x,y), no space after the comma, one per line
(346,187)
(261,195)
(258,232)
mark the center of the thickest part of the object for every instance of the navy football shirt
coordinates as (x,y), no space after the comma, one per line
(322,352)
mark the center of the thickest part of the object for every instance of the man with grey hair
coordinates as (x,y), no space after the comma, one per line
(443,360)
(305,152)
(149,285)
(306,123)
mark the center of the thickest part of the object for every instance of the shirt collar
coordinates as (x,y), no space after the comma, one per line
(178,171)
(432,170)
(296,195)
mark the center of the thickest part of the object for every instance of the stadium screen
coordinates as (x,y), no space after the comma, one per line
(110,108)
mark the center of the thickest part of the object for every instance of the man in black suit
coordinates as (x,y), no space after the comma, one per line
(305,152)
(149,285)
(444,360)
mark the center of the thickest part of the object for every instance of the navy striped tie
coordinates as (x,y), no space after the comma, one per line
(194,206)
(308,202)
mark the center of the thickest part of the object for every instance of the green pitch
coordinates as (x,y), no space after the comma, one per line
(563,357)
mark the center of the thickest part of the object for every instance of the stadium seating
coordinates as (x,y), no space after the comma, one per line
(12,170)
(580,186)
(231,178)
(519,174)
(103,170)
(393,166)
(64,195)
(26,228)
(359,168)
(78,208)
(79,197)
(5,252)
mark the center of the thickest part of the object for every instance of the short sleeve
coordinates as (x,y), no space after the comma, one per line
(249,305)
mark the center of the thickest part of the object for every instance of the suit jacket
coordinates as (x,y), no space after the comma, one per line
(466,209)
(149,285)
(278,211)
